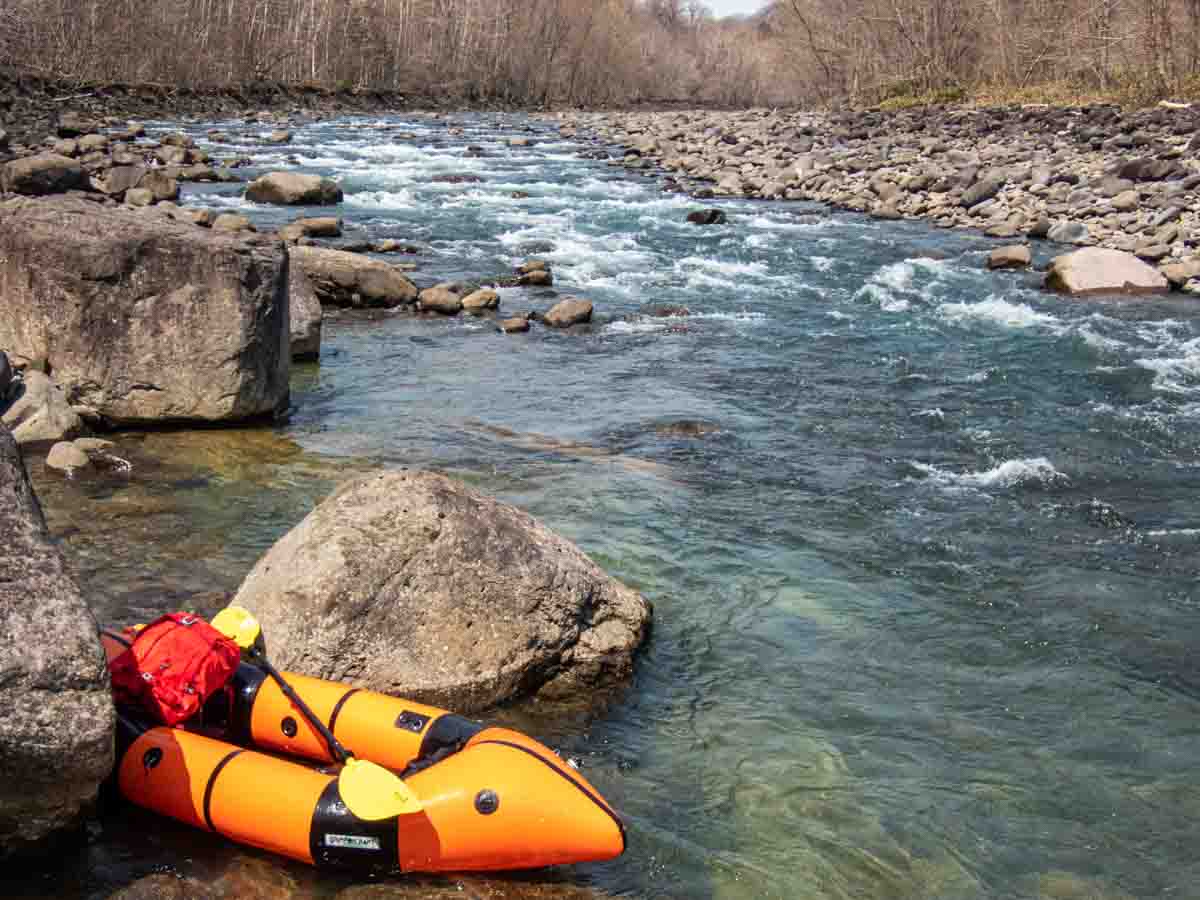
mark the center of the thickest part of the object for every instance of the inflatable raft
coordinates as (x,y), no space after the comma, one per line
(255,771)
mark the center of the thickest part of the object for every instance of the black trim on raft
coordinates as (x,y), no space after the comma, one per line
(600,803)
(128,731)
(245,683)
(208,788)
(338,839)
(337,707)
(448,732)
(119,638)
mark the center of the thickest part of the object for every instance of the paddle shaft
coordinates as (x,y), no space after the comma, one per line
(340,754)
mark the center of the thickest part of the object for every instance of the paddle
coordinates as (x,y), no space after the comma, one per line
(369,791)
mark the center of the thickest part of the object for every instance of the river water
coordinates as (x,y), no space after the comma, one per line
(921,539)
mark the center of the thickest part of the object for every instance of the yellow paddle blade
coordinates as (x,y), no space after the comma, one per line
(372,793)
(238,624)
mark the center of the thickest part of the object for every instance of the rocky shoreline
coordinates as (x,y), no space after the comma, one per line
(1080,177)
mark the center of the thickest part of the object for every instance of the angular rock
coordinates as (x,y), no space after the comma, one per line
(306,316)
(569,311)
(411,583)
(38,410)
(1096,270)
(57,750)
(141,318)
(294,189)
(347,279)
(45,173)
(6,376)
(1014,257)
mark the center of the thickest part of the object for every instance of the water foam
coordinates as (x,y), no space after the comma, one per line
(1010,473)
(996,310)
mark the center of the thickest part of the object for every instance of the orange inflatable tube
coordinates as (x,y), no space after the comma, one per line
(492,798)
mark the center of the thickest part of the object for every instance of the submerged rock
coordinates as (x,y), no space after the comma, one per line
(707,217)
(141,318)
(1095,270)
(66,457)
(412,583)
(569,311)
(38,410)
(1014,257)
(56,746)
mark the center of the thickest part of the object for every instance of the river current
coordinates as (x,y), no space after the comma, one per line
(921,539)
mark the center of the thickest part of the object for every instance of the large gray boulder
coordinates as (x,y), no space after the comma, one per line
(56,740)
(413,584)
(294,189)
(37,410)
(45,173)
(141,318)
(1096,270)
(348,279)
(306,317)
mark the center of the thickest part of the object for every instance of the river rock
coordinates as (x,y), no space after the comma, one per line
(56,746)
(160,184)
(232,222)
(294,189)
(6,376)
(1014,257)
(481,300)
(1096,270)
(569,311)
(440,299)
(306,316)
(514,325)
(536,278)
(143,319)
(279,136)
(1178,274)
(1069,233)
(38,410)
(45,173)
(319,226)
(66,457)
(984,189)
(707,217)
(347,279)
(411,583)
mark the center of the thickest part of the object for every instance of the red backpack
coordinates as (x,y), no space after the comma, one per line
(173,665)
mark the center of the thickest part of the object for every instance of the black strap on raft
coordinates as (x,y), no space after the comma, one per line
(339,753)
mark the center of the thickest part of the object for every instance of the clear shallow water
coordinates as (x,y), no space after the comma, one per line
(925,579)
